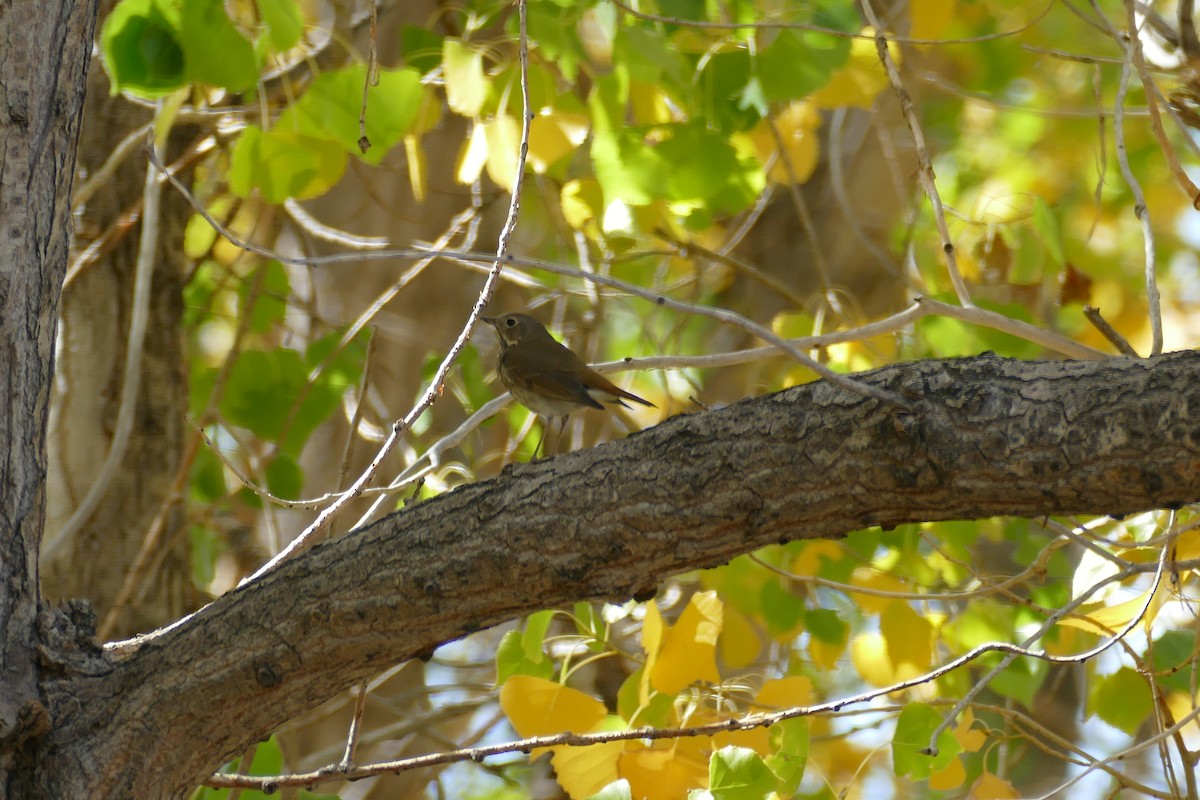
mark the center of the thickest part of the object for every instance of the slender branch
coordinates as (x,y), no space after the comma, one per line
(139,318)
(928,179)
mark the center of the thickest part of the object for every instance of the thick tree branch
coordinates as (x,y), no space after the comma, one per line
(990,436)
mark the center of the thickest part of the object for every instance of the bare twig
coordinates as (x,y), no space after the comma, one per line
(139,318)
(1109,332)
(928,179)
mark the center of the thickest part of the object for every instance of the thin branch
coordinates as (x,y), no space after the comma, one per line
(139,319)
(928,179)
(1108,331)
(1151,90)
(1139,209)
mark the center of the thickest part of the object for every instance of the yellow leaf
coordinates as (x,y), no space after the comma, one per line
(1187,546)
(992,787)
(797,128)
(930,17)
(949,777)
(824,654)
(583,771)
(538,707)
(869,578)
(1181,705)
(863,77)
(903,648)
(648,104)
(970,739)
(1106,620)
(810,560)
(550,138)
(689,647)
(652,639)
(504,143)
(796,690)
(868,652)
(667,769)
(740,642)
(416,166)
(466,84)
(910,639)
(473,157)
(582,201)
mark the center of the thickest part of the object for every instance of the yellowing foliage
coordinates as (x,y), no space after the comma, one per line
(688,651)
(861,80)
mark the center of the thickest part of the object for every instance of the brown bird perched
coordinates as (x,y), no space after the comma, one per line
(546,377)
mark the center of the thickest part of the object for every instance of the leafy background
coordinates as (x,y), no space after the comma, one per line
(731,155)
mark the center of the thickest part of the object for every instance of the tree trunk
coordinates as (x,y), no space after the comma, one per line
(45,49)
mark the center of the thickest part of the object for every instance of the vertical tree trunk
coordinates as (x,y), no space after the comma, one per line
(45,48)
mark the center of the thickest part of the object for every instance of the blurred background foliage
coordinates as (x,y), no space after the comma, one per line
(349,166)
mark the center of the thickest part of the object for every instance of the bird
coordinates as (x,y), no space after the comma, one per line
(546,377)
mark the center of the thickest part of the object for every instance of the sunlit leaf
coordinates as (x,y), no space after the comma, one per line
(688,652)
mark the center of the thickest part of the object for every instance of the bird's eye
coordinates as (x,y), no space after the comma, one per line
(510,322)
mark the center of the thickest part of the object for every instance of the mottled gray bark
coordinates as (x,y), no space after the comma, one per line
(44,54)
(988,436)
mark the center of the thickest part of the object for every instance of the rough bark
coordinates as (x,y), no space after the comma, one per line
(44,54)
(987,436)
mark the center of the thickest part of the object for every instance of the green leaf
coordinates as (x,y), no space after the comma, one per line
(789,740)
(264,387)
(728,95)
(782,610)
(512,659)
(533,640)
(524,653)
(1020,680)
(283,22)
(205,546)
(285,478)
(261,389)
(1122,699)
(421,48)
(1173,650)
(552,31)
(825,625)
(915,725)
(207,479)
(589,624)
(270,304)
(627,168)
(699,163)
(1045,222)
(142,48)
(738,773)
(798,63)
(282,164)
(198,294)
(330,109)
(214,51)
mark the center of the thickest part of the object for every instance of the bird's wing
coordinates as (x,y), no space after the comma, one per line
(554,381)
